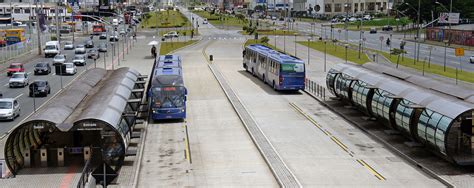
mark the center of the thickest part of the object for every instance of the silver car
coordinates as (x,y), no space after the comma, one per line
(70,68)
(471,59)
(79,60)
(19,79)
(9,109)
(68,45)
(59,59)
(80,49)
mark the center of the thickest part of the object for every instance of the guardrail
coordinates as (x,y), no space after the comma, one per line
(13,51)
(85,175)
(315,89)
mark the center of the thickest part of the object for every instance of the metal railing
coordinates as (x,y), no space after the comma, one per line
(315,89)
(85,175)
(16,50)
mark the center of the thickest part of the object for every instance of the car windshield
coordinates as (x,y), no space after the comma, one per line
(69,65)
(79,46)
(41,65)
(59,57)
(50,47)
(18,76)
(40,83)
(68,43)
(78,57)
(5,105)
(15,66)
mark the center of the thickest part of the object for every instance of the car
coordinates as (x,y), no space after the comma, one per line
(103,36)
(387,28)
(59,59)
(171,34)
(68,45)
(93,54)
(42,68)
(89,44)
(122,32)
(113,38)
(79,60)
(19,79)
(9,109)
(80,49)
(102,47)
(274,18)
(39,88)
(15,67)
(205,21)
(471,59)
(70,68)
(352,19)
(366,17)
(373,30)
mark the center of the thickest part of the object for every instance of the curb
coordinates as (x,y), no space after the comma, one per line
(140,155)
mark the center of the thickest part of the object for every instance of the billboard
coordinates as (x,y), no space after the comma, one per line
(446,17)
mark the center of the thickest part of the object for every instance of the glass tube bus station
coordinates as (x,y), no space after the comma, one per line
(90,121)
(429,112)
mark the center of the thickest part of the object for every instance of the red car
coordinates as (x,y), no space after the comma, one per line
(15,67)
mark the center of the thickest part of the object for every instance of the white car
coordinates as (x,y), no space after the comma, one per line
(68,45)
(18,79)
(9,109)
(171,34)
(79,60)
(70,68)
(471,59)
(353,19)
(80,49)
(205,21)
(59,59)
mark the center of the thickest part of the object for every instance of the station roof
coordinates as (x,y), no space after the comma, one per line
(109,103)
(431,99)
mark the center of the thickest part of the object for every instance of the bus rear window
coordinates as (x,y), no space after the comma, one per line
(292,67)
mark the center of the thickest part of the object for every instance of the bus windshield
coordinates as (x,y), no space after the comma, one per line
(291,68)
(169,97)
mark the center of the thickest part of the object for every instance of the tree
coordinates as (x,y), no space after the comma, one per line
(464,7)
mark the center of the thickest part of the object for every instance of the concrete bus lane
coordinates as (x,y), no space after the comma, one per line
(335,155)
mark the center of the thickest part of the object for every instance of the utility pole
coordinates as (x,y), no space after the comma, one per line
(56,11)
(38,29)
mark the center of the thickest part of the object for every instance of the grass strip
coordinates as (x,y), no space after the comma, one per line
(167,47)
(337,51)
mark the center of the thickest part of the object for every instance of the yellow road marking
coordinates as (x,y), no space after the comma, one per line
(186,142)
(372,170)
(340,144)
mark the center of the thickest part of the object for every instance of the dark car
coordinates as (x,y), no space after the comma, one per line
(102,47)
(373,30)
(113,38)
(93,54)
(42,68)
(39,88)
(89,44)
(387,28)
(103,36)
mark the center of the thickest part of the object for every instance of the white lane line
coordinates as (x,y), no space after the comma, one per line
(54,74)
(19,96)
(6,84)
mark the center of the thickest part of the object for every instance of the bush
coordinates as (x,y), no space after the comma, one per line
(54,38)
(264,39)
(245,28)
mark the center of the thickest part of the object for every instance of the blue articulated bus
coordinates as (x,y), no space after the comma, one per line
(279,70)
(167,93)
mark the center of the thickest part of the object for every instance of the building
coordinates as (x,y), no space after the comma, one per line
(355,7)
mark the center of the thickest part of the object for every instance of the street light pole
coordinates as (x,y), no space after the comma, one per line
(309,39)
(38,29)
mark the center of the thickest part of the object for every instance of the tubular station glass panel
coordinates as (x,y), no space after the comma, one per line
(330,79)
(343,84)
(381,104)
(432,128)
(359,94)
(403,115)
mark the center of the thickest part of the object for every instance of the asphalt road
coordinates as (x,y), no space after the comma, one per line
(373,41)
(28,104)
